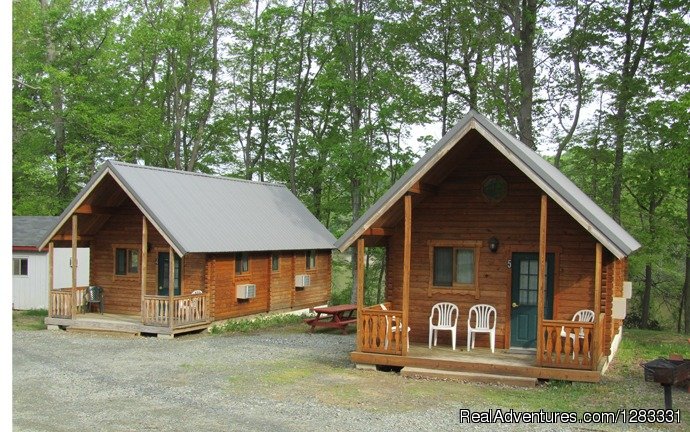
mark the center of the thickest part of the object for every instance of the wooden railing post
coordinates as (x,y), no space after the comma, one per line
(74,266)
(51,283)
(143,267)
(407,253)
(541,278)
(171,287)
(598,342)
(360,292)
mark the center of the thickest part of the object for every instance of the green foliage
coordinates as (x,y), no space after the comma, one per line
(250,325)
(324,96)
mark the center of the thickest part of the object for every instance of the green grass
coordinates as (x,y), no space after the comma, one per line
(623,386)
(251,325)
(32,319)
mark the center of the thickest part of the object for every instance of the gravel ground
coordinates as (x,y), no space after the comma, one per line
(273,381)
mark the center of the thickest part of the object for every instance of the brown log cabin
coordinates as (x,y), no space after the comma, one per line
(240,248)
(483,219)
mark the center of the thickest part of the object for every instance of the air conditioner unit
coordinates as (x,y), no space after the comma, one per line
(246,291)
(302,281)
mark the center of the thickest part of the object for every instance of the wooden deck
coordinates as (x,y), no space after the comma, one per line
(116,323)
(502,363)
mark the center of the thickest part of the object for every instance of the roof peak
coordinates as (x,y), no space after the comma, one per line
(115,163)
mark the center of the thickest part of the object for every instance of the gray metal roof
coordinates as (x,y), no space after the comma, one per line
(28,231)
(201,213)
(554,183)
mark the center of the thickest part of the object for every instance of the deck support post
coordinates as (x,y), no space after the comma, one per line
(541,278)
(407,252)
(171,288)
(144,262)
(51,272)
(360,292)
(596,339)
(74,266)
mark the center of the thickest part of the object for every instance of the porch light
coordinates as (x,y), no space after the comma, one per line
(493,244)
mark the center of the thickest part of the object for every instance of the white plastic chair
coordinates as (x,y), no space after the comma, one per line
(447,320)
(395,327)
(483,323)
(584,315)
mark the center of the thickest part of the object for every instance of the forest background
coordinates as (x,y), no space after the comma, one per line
(328,96)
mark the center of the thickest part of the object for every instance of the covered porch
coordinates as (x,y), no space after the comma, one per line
(151,295)
(565,350)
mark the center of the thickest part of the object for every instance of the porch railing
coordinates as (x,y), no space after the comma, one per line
(185,310)
(569,344)
(381,331)
(61,301)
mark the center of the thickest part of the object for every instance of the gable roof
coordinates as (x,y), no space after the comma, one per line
(547,177)
(199,213)
(28,231)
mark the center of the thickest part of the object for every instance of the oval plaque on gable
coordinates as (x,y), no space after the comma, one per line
(494,189)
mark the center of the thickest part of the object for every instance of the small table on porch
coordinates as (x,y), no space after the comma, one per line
(333,316)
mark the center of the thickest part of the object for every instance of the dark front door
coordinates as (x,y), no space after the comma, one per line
(164,274)
(523,317)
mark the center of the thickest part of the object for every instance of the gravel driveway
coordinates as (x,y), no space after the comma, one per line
(275,381)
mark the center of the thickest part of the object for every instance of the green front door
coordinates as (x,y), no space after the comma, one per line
(164,274)
(523,317)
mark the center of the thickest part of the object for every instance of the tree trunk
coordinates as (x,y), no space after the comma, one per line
(379,285)
(213,84)
(58,116)
(631,60)
(647,295)
(686,286)
(356,206)
(523,18)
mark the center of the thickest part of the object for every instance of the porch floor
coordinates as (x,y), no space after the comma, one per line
(477,361)
(108,322)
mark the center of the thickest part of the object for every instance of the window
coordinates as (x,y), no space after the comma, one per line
(20,266)
(494,189)
(311,259)
(241,262)
(454,266)
(275,262)
(126,261)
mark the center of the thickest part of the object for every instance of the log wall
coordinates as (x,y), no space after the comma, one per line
(457,211)
(275,290)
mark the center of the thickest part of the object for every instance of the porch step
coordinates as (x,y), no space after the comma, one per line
(415,372)
(75,329)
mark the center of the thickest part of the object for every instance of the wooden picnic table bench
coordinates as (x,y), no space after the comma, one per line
(333,316)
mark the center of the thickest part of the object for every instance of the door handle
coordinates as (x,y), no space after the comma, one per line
(515,305)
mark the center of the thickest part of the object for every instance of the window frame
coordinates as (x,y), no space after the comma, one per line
(275,262)
(454,287)
(20,260)
(128,249)
(310,256)
(243,259)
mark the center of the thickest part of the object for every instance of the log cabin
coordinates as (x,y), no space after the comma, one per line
(173,251)
(483,219)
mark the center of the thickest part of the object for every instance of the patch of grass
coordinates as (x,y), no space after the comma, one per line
(32,319)
(250,325)
(36,312)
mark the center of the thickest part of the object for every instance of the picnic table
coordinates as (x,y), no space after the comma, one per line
(333,316)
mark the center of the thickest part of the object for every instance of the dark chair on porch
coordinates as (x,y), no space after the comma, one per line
(93,294)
